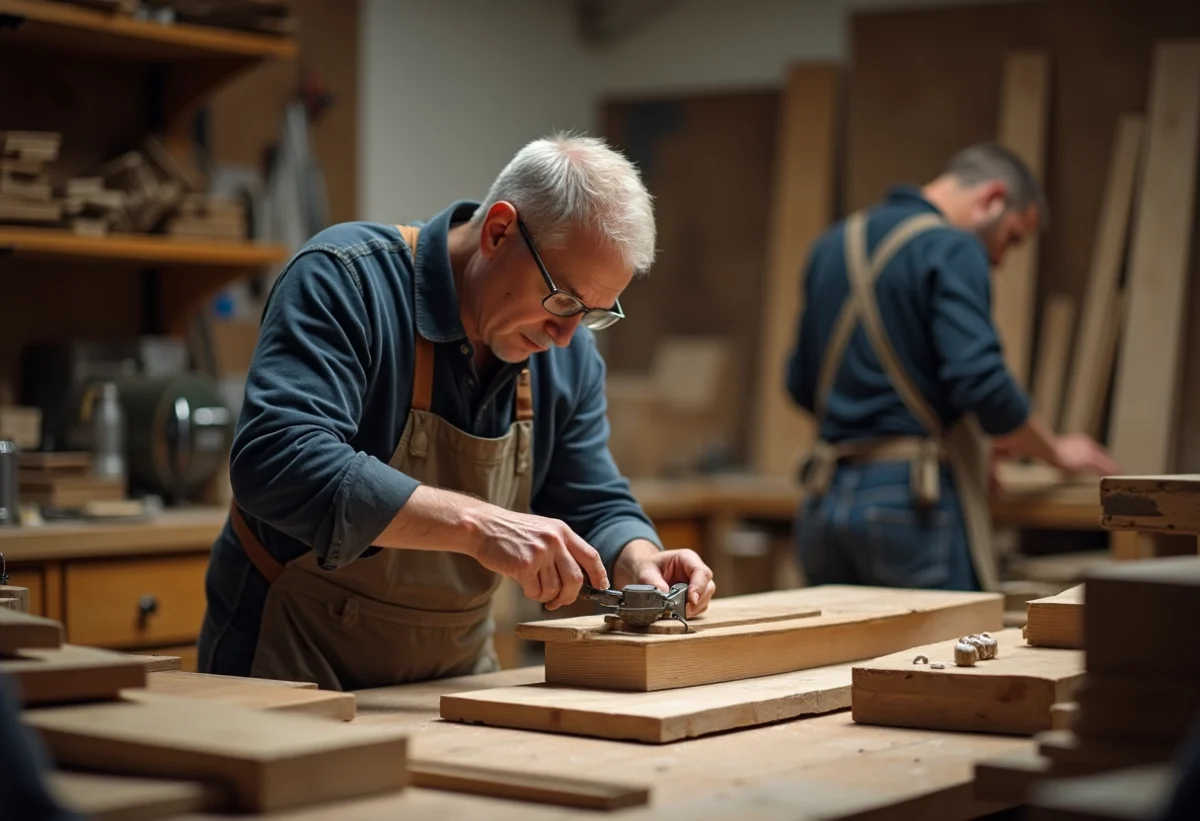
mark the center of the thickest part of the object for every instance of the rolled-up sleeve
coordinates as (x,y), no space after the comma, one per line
(583,486)
(972,367)
(291,462)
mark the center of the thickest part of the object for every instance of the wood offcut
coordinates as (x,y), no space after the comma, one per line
(1056,621)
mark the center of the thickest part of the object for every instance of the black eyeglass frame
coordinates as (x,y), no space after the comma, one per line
(606,317)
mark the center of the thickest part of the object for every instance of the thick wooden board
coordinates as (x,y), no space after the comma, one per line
(1162,503)
(1011,693)
(123,798)
(159,664)
(1147,392)
(1054,347)
(257,694)
(1095,347)
(525,786)
(71,673)
(1056,621)
(1064,714)
(855,623)
(801,208)
(1132,794)
(1007,778)
(655,717)
(22,631)
(1137,708)
(268,761)
(777,605)
(1024,111)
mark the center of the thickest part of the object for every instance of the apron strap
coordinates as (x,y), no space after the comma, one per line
(259,557)
(423,361)
(523,406)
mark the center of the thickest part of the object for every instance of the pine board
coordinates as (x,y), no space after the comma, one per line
(268,761)
(1056,621)
(655,717)
(124,798)
(856,622)
(523,786)
(257,694)
(23,631)
(1054,348)
(72,673)
(1009,694)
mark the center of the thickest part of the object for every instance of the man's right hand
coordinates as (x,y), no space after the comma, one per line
(1079,453)
(544,556)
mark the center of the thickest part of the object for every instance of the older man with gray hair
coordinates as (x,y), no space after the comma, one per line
(425,414)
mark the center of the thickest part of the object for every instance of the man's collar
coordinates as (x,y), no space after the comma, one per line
(437,310)
(911,195)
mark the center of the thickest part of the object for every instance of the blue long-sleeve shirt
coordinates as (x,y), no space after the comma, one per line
(331,383)
(935,299)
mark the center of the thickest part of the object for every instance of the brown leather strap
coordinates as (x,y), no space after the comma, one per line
(423,358)
(523,406)
(258,554)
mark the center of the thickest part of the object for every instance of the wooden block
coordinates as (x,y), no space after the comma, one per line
(21,165)
(1075,754)
(1132,794)
(1007,778)
(268,761)
(655,717)
(758,608)
(1131,623)
(525,786)
(1011,693)
(31,145)
(21,631)
(1054,347)
(1064,714)
(1056,621)
(17,209)
(123,798)
(71,673)
(30,188)
(1162,503)
(253,693)
(855,623)
(1139,708)
(71,461)
(19,595)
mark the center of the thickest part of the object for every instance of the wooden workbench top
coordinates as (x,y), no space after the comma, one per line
(172,531)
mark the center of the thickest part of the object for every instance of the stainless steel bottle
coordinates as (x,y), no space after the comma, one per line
(108,433)
(10,514)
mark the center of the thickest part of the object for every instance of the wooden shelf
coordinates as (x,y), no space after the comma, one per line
(144,249)
(174,531)
(73,29)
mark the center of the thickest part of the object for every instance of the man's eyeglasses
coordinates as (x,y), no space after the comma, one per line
(560,303)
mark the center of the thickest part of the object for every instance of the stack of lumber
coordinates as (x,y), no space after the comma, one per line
(749,660)
(93,208)
(64,479)
(153,181)
(26,195)
(262,16)
(202,215)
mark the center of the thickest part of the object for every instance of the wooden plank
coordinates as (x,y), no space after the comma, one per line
(72,673)
(20,631)
(159,664)
(655,717)
(1095,346)
(1024,111)
(757,608)
(1147,380)
(1054,346)
(1131,794)
(1157,503)
(525,786)
(1056,621)
(802,207)
(257,694)
(1137,708)
(20,595)
(420,701)
(1064,714)
(268,761)
(1007,778)
(856,623)
(1011,693)
(124,798)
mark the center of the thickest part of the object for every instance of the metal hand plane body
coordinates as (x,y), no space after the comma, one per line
(642,604)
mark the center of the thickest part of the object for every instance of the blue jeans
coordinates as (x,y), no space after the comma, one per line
(866,530)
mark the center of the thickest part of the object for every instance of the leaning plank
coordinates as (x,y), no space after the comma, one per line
(855,623)
(1095,347)
(1056,621)
(655,717)
(268,761)
(123,798)
(72,673)
(1024,110)
(1147,382)
(757,608)
(1054,347)
(21,631)
(1011,693)
(256,694)
(1164,503)
(514,785)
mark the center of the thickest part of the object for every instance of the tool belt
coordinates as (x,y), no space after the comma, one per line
(924,456)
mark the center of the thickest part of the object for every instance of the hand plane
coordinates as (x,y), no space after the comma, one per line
(641,605)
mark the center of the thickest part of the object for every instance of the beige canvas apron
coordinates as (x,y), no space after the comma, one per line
(401,615)
(965,447)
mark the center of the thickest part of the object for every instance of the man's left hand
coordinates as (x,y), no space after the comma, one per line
(641,562)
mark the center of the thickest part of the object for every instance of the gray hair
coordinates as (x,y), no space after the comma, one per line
(991,161)
(566,181)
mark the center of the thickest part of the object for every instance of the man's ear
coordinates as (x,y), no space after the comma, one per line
(995,199)
(499,224)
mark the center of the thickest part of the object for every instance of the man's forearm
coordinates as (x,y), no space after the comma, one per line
(1031,439)
(435,519)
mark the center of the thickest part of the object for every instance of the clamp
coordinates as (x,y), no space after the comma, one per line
(641,605)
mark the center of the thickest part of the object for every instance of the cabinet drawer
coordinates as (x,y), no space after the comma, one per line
(31,578)
(135,602)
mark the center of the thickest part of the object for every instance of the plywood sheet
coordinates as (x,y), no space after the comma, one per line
(1147,391)
(655,717)
(72,673)
(523,786)
(801,208)
(268,761)
(125,798)
(1011,693)
(256,694)
(855,623)
(20,630)
(1056,621)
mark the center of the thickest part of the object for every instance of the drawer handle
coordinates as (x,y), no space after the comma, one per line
(147,606)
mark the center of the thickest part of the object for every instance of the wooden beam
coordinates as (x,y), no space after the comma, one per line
(1054,346)
(1151,503)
